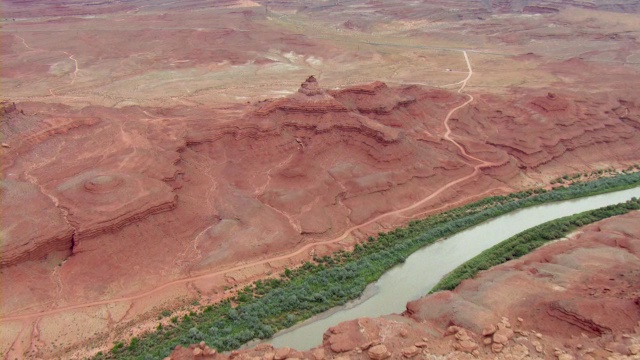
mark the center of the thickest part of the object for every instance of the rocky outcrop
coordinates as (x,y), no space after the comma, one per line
(374,98)
(199,351)
(571,311)
(539,130)
(310,87)
(75,177)
(32,227)
(310,98)
(102,201)
(7,107)
(378,352)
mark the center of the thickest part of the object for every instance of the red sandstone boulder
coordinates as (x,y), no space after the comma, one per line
(282,353)
(378,352)
(410,351)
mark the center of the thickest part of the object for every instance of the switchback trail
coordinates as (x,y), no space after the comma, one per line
(447,136)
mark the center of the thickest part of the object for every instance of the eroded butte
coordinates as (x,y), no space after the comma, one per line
(156,158)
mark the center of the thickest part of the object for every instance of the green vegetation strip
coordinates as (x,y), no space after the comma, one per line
(266,306)
(529,240)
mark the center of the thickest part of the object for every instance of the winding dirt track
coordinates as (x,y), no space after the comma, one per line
(447,136)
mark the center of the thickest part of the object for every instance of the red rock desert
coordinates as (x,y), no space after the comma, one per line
(160,156)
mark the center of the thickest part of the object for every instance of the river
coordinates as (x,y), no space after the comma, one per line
(424,268)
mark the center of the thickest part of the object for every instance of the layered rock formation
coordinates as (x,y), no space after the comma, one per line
(174,193)
(304,167)
(309,99)
(99,201)
(139,152)
(87,174)
(572,299)
(28,237)
(538,129)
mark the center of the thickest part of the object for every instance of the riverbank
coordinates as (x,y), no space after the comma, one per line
(529,240)
(572,299)
(258,311)
(423,269)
